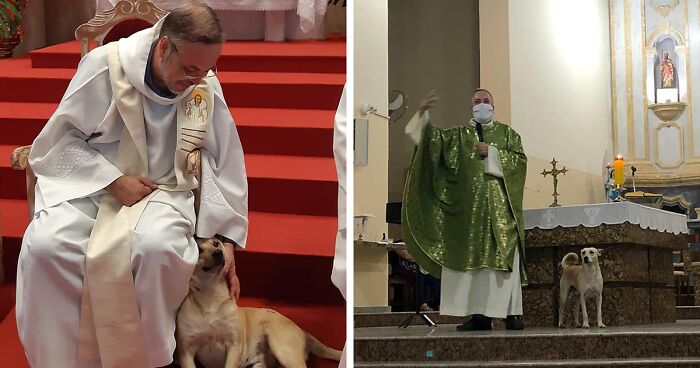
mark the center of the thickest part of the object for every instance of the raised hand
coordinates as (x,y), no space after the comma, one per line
(429,101)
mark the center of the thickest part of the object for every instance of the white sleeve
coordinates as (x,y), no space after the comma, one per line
(492,164)
(338,275)
(414,128)
(65,163)
(223,208)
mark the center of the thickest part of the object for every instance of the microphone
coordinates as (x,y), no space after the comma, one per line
(480,134)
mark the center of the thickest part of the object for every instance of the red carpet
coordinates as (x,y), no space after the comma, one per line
(283,98)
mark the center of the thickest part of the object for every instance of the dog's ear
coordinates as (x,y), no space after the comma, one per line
(600,251)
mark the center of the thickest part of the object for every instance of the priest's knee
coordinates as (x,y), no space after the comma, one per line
(160,246)
(48,241)
(163,236)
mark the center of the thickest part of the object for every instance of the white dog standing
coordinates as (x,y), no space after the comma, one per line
(587,280)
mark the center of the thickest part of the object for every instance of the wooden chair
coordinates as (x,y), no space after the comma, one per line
(127,18)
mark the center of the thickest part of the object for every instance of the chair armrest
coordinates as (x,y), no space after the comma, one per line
(20,161)
(20,157)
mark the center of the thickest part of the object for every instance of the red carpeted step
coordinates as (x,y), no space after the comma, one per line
(241,89)
(23,120)
(295,253)
(296,56)
(31,85)
(326,323)
(7,298)
(282,90)
(11,351)
(299,185)
(11,247)
(14,215)
(14,218)
(292,184)
(292,234)
(262,130)
(12,182)
(269,233)
(305,279)
(301,132)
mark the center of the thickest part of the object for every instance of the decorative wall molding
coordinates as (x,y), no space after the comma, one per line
(652,66)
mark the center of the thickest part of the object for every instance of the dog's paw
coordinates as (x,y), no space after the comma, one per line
(601,325)
(585,325)
(561,325)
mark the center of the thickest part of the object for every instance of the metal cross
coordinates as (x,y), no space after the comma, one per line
(554,172)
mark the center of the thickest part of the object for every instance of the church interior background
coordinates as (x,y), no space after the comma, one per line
(590,84)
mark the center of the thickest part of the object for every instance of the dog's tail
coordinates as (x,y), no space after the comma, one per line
(320,350)
(567,256)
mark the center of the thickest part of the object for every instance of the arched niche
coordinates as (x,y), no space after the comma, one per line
(666,56)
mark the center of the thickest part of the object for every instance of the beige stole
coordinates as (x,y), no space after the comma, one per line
(110,323)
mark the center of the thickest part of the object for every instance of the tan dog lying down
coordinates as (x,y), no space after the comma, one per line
(213,328)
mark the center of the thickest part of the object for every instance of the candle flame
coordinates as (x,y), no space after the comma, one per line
(619,157)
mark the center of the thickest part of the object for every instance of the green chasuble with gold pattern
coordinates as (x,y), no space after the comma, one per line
(454,214)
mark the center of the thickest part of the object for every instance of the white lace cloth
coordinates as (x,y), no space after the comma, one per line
(592,215)
(306,9)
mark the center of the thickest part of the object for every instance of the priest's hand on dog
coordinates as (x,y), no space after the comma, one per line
(229,272)
(129,189)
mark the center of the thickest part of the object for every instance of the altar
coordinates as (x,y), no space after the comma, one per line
(271,20)
(637,264)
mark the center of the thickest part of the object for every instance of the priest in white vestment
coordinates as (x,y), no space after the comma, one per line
(339,273)
(117,146)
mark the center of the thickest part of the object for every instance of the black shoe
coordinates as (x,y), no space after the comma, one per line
(478,322)
(514,323)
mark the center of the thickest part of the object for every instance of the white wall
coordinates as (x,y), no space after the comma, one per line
(560,80)
(560,94)
(370,187)
(371,85)
(494,54)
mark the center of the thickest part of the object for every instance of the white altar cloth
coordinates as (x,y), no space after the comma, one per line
(273,21)
(592,215)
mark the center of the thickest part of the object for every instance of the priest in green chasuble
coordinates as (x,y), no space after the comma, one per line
(462,214)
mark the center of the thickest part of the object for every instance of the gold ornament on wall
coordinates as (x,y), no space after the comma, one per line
(665,7)
(668,111)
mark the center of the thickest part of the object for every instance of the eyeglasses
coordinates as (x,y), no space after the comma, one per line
(207,74)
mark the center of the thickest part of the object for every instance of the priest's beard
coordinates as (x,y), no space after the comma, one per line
(166,64)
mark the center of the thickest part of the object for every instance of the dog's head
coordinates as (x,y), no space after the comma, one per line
(590,255)
(210,262)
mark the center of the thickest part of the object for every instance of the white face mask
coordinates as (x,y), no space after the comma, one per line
(483,113)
